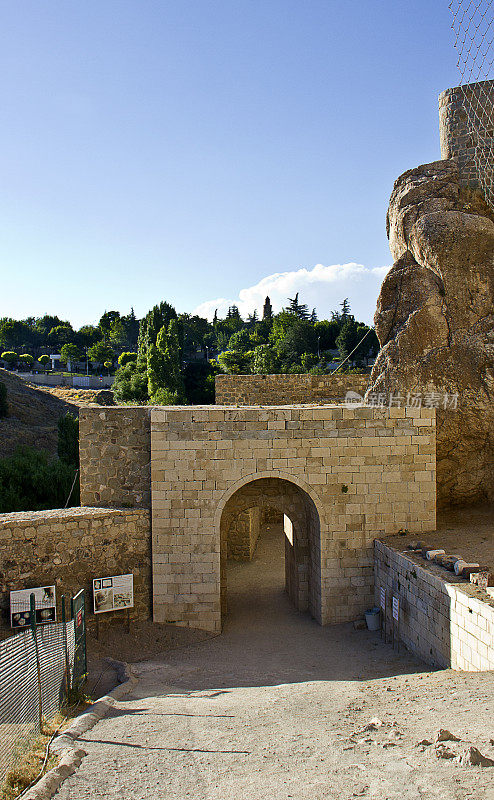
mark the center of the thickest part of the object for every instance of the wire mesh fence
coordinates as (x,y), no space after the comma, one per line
(36,676)
(473,26)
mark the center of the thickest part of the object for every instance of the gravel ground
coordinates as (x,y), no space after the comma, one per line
(276,707)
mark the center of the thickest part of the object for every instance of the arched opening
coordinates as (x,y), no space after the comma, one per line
(274,523)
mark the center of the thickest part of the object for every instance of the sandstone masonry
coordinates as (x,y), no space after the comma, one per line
(115,456)
(69,547)
(366,471)
(444,620)
(275,390)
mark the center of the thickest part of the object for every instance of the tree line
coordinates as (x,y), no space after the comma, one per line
(171,358)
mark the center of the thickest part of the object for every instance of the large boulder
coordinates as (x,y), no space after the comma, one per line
(435,321)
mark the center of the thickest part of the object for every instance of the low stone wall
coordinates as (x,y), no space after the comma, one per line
(69,547)
(272,390)
(443,619)
(115,456)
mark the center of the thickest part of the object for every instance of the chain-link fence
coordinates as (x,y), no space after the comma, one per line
(473,26)
(38,669)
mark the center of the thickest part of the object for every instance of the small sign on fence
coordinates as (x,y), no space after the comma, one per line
(396,608)
(113,593)
(45,605)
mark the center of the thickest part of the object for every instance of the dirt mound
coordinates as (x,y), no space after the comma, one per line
(82,397)
(33,416)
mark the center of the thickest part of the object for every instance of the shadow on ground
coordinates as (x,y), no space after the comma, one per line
(266,642)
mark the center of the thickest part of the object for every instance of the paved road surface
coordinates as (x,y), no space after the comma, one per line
(265,711)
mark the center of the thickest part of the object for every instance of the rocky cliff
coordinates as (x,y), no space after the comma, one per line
(435,321)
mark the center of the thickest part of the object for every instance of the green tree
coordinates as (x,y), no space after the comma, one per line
(165,378)
(26,360)
(292,336)
(16,334)
(101,352)
(68,440)
(10,357)
(60,335)
(127,358)
(265,361)
(240,341)
(327,332)
(70,352)
(235,361)
(345,309)
(31,480)
(87,336)
(299,309)
(44,360)
(357,339)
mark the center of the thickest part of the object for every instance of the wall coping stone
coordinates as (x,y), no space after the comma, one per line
(66,515)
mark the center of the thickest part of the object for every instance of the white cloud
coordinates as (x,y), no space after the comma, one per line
(322,288)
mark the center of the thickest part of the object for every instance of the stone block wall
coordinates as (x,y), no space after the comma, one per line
(275,390)
(367,470)
(69,547)
(443,619)
(243,535)
(115,456)
(455,131)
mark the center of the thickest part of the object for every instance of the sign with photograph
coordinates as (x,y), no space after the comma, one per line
(396,608)
(113,594)
(45,604)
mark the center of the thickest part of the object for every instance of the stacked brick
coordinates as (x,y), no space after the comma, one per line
(275,390)
(70,547)
(454,129)
(367,470)
(444,620)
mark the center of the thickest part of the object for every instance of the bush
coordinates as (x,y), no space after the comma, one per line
(131,384)
(68,440)
(10,357)
(126,358)
(26,360)
(31,480)
(4,406)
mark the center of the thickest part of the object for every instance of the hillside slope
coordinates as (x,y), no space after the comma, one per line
(33,416)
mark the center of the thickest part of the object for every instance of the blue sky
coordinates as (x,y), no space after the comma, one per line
(204,151)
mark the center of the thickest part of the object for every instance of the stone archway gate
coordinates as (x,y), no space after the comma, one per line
(368,471)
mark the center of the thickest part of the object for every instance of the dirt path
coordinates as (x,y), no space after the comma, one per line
(275,708)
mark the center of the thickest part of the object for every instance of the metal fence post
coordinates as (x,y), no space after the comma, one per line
(66,651)
(32,619)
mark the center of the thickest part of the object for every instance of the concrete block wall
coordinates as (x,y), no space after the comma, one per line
(69,547)
(443,619)
(367,470)
(275,390)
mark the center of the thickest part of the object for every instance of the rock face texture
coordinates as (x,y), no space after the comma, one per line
(435,320)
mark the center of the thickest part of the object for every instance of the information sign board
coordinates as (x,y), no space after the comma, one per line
(45,604)
(396,608)
(113,593)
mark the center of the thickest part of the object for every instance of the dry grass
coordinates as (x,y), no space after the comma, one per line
(32,753)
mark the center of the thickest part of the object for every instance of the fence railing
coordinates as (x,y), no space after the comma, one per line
(38,669)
